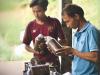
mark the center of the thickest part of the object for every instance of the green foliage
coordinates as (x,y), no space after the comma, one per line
(5,52)
(92,10)
(11,4)
(54,8)
(12,22)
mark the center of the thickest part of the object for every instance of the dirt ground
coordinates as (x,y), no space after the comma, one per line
(11,67)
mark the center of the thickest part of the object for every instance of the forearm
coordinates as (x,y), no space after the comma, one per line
(29,49)
(91,56)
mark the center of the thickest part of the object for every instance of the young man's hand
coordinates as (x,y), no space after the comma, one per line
(36,52)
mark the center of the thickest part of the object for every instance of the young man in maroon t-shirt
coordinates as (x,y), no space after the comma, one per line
(46,26)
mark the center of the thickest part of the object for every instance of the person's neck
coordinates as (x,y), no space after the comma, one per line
(42,20)
(81,24)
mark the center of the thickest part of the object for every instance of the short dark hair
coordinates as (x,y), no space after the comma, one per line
(42,3)
(72,9)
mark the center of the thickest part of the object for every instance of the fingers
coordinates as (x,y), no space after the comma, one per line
(36,52)
(64,48)
(61,53)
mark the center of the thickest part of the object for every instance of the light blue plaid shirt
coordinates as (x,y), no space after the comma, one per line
(86,40)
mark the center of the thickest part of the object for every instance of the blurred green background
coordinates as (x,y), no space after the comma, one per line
(15,15)
(92,10)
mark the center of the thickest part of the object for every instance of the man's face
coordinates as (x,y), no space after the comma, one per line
(38,12)
(70,22)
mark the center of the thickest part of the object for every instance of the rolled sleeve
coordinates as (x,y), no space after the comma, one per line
(93,40)
(27,36)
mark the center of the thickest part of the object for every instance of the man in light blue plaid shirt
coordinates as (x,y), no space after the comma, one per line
(85,42)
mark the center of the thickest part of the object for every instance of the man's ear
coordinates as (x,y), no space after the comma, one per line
(77,16)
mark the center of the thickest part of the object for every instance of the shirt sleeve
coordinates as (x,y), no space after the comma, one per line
(94,40)
(27,36)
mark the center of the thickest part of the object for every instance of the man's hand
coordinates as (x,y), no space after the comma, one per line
(36,52)
(65,50)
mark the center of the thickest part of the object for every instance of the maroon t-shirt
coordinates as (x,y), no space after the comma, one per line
(51,28)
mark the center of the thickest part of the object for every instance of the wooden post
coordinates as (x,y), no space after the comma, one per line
(67,31)
(66,62)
